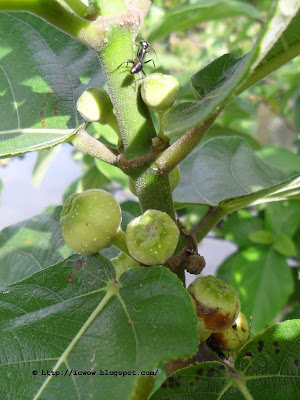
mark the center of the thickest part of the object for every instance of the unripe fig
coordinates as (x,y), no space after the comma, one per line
(95,105)
(235,337)
(217,304)
(152,238)
(159,91)
(90,220)
(174,180)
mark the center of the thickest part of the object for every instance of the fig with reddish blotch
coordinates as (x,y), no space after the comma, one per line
(235,337)
(217,305)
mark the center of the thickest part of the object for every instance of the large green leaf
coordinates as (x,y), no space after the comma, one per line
(237,227)
(42,74)
(283,217)
(225,171)
(223,79)
(112,173)
(280,157)
(187,16)
(219,131)
(263,281)
(267,367)
(75,316)
(30,246)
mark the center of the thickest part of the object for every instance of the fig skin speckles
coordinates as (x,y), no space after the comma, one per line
(152,238)
(90,220)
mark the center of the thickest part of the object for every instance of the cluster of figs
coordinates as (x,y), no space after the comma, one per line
(91,221)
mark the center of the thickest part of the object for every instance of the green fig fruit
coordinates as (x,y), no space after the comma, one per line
(95,105)
(159,91)
(217,304)
(90,220)
(235,337)
(152,238)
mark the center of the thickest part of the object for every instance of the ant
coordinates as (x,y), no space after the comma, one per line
(138,62)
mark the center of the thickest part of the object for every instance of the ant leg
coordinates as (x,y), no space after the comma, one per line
(142,77)
(149,61)
(125,62)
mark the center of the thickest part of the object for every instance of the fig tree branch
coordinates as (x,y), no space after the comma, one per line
(92,33)
(89,145)
(208,222)
(53,12)
(174,154)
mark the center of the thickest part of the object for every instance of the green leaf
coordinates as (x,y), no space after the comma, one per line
(224,271)
(226,172)
(296,111)
(283,217)
(30,246)
(284,245)
(219,82)
(267,367)
(297,240)
(295,296)
(92,179)
(132,207)
(294,314)
(237,227)
(126,218)
(261,237)
(280,157)
(112,173)
(187,16)
(42,74)
(273,367)
(77,316)
(217,131)
(263,281)
(43,162)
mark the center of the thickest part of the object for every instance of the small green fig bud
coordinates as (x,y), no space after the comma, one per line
(235,337)
(174,177)
(122,263)
(90,220)
(159,91)
(217,304)
(152,238)
(95,105)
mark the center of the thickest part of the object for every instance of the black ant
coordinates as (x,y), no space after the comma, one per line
(138,62)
